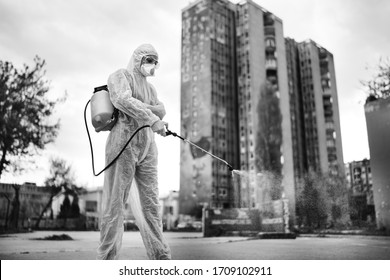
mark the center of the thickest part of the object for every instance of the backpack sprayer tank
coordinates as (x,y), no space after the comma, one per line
(103,116)
(103,113)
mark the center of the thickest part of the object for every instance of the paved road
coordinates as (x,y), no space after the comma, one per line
(191,246)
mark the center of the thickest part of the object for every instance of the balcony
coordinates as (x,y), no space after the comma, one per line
(332,157)
(325,82)
(327,91)
(324,62)
(269,31)
(270,44)
(269,19)
(329,126)
(327,102)
(270,64)
(328,113)
(272,78)
(331,150)
(323,54)
(325,75)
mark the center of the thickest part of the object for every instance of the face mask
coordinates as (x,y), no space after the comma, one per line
(148,69)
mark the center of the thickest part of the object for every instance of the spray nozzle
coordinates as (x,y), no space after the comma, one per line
(168,132)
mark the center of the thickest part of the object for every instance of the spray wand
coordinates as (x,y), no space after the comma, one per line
(168,132)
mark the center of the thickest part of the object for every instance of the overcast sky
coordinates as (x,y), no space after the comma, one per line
(84,41)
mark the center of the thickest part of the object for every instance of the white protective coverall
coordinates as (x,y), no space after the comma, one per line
(138,105)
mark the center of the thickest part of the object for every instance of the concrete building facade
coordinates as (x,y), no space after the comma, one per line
(170,210)
(359,178)
(91,206)
(264,110)
(377,114)
(265,103)
(208,102)
(296,110)
(315,109)
(234,80)
(32,200)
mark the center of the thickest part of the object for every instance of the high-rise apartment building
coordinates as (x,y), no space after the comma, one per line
(312,82)
(234,97)
(209,103)
(264,114)
(296,110)
(266,104)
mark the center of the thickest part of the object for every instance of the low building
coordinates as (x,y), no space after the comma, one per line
(359,178)
(32,200)
(170,210)
(91,205)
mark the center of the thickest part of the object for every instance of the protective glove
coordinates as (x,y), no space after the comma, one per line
(159,127)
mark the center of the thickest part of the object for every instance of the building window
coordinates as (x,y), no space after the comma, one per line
(194,101)
(270,42)
(330,143)
(91,206)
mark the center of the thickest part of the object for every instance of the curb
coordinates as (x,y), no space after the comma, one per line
(357,236)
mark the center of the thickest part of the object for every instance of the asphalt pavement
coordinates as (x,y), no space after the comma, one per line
(192,246)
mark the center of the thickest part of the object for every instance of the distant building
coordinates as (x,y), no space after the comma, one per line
(377,114)
(91,206)
(32,201)
(314,109)
(359,178)
(170,210)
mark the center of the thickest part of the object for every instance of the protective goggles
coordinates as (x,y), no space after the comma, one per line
(150,60)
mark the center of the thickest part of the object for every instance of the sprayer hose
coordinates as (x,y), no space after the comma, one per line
(90,143)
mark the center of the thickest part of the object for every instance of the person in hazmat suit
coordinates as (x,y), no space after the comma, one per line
(135,171)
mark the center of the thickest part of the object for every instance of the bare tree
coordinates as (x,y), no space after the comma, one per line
(379,85)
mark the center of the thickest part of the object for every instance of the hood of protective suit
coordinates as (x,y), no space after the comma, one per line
(134,65)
